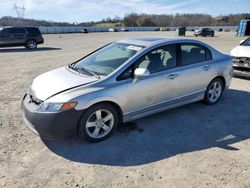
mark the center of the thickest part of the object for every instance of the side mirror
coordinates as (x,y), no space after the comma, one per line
(242,41)
(141,73)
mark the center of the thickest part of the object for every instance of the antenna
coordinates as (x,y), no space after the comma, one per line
(20,11)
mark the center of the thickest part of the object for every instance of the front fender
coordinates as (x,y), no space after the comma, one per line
(88,101)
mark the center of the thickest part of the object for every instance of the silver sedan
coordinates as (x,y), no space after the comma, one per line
(124,81)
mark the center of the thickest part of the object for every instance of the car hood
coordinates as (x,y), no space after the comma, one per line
(241,51)
(57,81)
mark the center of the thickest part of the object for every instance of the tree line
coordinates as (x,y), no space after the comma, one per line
(183,20)
(135,20)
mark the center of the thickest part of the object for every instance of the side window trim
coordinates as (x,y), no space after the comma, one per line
(208,54)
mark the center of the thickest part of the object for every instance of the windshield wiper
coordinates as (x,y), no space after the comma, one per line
(91,72)
(82,70)
(72,67)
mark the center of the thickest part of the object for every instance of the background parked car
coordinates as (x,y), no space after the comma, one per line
(204,32)
(113,30)
(124,29)
(220,30)
(164,29)
(241,58)
(29,37)
(84,31)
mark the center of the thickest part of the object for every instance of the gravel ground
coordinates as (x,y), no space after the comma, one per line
(191,146)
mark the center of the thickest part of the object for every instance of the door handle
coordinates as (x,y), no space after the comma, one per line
(207,67)
(172,76)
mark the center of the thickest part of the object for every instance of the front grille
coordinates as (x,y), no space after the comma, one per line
(241,62)
(241,59)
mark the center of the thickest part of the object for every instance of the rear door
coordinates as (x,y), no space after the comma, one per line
(197,69)
(204,32)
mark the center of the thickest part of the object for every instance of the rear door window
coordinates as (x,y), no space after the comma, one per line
(34,31)
(194,53)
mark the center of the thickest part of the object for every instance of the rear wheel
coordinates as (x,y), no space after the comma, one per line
(98,122)
(31,44)
(214,91)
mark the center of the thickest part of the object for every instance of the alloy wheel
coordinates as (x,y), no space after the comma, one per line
(99,123)
(32,44)
(214,92)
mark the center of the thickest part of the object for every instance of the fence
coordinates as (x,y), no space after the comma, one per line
(53,30)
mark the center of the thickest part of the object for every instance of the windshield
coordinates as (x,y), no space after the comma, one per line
(107,59)
(246,42)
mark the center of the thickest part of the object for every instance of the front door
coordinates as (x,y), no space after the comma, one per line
(158,89)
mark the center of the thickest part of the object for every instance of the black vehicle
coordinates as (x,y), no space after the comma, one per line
(204,32)
(84,31)
(29,37)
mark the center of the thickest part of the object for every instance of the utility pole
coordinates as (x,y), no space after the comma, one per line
(20,11)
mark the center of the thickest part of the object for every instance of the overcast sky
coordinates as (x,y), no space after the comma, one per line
(94,10)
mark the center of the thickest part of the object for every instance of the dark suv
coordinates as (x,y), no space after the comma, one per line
(29,37)
(204,32)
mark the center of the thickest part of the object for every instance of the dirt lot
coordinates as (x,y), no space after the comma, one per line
(191,146)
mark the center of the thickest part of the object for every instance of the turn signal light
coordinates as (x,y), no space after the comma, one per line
(68,105)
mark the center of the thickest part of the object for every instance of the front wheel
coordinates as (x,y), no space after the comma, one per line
(98,123)
(214,91)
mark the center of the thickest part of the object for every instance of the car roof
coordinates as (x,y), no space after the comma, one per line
(152,41)
(26,27)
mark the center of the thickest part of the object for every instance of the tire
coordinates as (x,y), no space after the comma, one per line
(214,91)
(31,44)
(93,126)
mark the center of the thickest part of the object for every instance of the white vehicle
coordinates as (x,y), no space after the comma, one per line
(241,58)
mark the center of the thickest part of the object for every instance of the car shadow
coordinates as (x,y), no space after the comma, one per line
(189,128)
(13,50)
